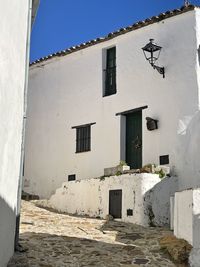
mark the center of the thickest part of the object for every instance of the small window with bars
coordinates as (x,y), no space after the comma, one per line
(83,137)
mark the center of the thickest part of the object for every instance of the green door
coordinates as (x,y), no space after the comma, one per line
(134,139)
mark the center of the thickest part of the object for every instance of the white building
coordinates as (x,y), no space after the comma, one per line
(14,60)
(72,110)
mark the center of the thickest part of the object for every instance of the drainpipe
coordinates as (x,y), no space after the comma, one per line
(19,193)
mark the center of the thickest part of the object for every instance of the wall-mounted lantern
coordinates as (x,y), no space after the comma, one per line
(152,53)
(152,124)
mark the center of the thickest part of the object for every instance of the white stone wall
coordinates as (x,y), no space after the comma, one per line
(183,215)
(67,91)
(187,216)
(91,196)
(13,42)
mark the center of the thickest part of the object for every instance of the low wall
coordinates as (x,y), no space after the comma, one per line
(187,216)
(183,215)
(187,221)
(91,197)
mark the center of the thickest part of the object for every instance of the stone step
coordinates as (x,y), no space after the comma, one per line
(27,196)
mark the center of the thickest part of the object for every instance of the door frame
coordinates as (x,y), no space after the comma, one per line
(111,191)
(123,129)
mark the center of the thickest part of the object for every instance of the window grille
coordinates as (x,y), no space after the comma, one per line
(83,139)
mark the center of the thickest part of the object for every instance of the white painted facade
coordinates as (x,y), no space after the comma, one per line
(67,91)
(14,27)
(91,196)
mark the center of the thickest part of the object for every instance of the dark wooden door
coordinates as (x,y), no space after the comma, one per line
(134,139)
(115,203)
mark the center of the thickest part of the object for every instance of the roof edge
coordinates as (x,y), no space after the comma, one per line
(112,35)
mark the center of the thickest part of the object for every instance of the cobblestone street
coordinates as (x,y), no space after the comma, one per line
(56,240)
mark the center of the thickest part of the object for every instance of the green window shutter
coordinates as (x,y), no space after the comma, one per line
(111,57)
(110,72)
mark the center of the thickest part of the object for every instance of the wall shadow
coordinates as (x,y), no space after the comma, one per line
(196,231)
(7,232)
(157,201)
(188,156)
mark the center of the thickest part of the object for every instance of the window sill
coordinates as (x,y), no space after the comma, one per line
(82,151)
(110,94)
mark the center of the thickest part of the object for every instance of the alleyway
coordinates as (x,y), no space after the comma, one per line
(56,240)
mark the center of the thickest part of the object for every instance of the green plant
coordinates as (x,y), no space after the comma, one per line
(152,168)
(102,178)
(122,163)
(118,173)
(161,173)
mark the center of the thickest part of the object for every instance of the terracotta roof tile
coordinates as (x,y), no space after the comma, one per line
(114,34)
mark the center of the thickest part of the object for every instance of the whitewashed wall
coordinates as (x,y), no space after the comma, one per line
(67,91)
(91,196)
(189,140)
(183,215)
(187,216)
(14,33)
(187,221)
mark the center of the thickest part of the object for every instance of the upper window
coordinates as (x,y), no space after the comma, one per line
(110,72)
(83,137)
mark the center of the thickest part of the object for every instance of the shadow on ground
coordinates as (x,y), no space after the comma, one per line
(58,240)
(54,250)
(137,247)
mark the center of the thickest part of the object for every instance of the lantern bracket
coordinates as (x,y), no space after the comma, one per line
(161,70)
(152,52)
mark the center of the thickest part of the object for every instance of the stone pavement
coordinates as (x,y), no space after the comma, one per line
(58,240)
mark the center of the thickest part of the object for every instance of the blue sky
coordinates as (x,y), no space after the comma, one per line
(63,23)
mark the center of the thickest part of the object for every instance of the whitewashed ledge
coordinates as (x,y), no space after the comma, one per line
(91,197)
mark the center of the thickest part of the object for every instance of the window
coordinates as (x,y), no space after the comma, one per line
(110,72)
(83,137)
(71,177)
